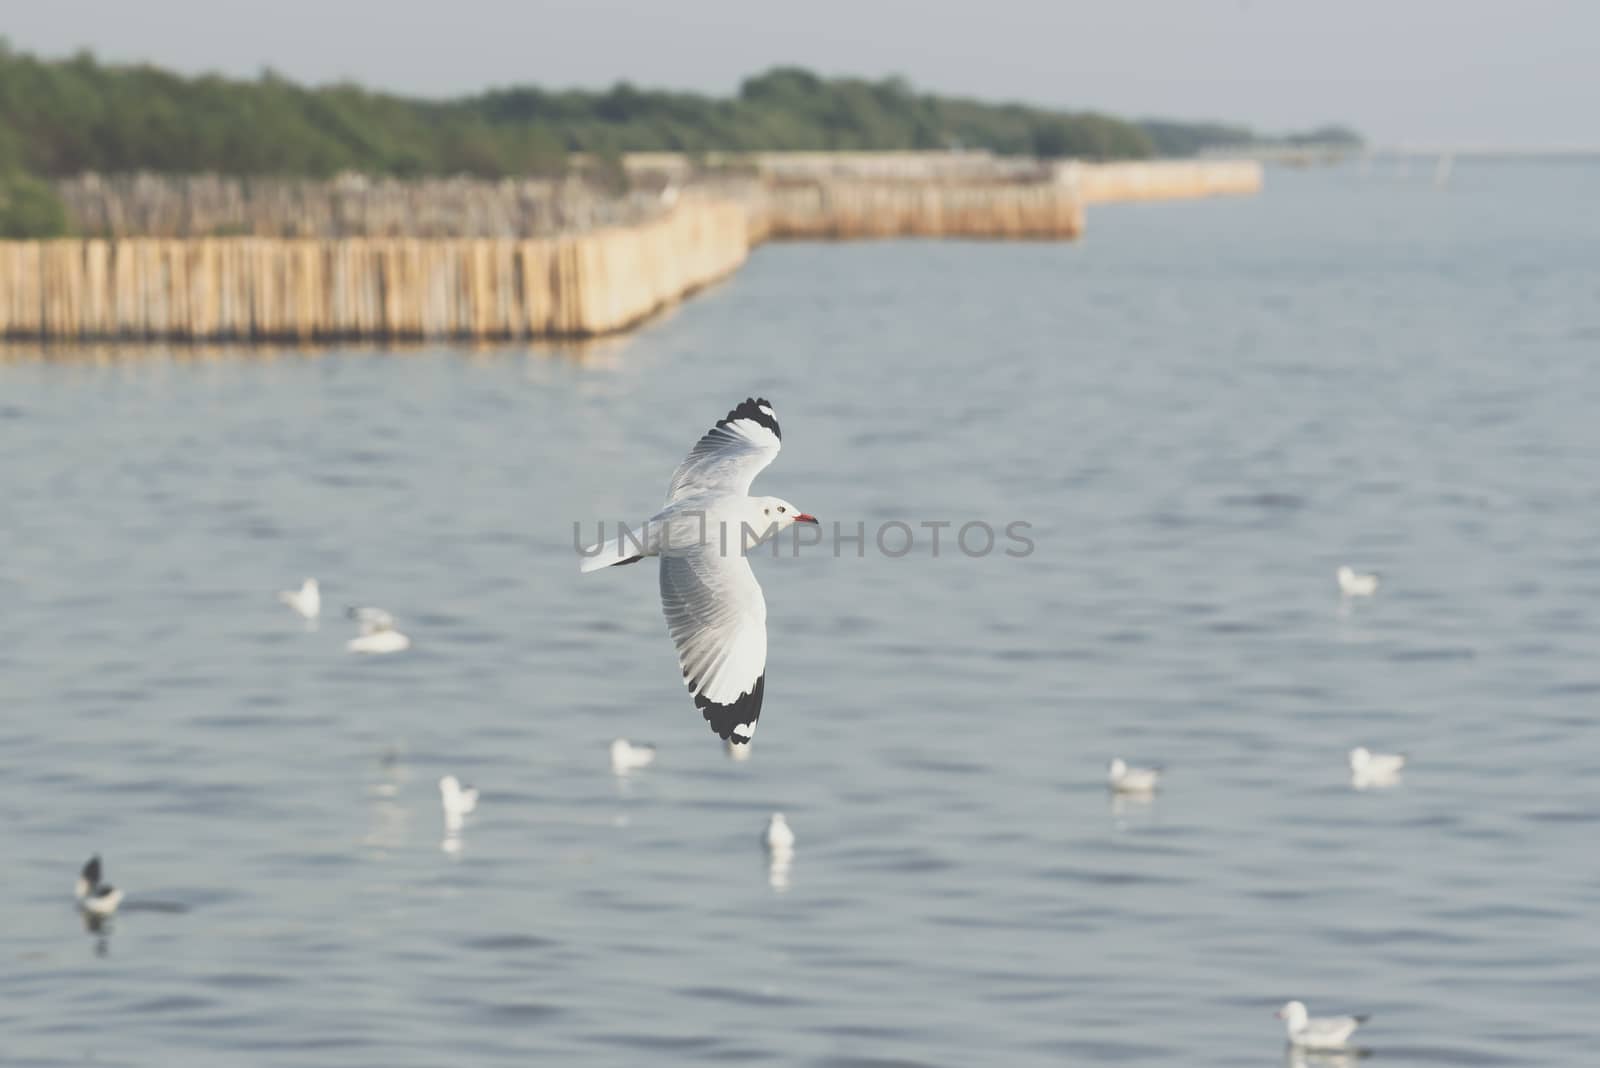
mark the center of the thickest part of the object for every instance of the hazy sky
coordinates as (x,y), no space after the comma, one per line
(1412,71)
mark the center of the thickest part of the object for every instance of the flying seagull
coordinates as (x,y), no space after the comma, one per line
(715,611)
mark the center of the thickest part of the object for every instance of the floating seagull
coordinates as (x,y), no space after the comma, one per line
(458,800)
(377,632)
(1125,780)
(307,600)
(1355,584)
(1324,1032)
(626,757)
(780,837)
(737,751)
(1374,769)
(95,898)
(715,612)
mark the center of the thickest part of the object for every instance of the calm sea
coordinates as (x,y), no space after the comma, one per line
(1202,409)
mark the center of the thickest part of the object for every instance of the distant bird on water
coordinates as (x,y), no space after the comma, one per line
(377,632)
(1374,769)
(1353,583)
(457,800)
(1129,780)
(307,600)
(715,611)
(95,898)
(1317,1032)
(627,756)
(780,836)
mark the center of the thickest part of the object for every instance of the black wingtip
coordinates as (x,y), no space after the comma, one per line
(1363,1018)
(91,871)
(759,411)
(742,713)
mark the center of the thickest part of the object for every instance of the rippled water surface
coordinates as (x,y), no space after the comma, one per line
(1201,409)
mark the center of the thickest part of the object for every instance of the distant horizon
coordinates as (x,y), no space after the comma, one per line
(1431,72)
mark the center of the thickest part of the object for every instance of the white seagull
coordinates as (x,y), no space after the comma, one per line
(779,841)
(458,800)
(715,612)
(307,600)
(1317,1032)
(626,756)
(1126,780)
(780,836)
(1353,583)
(95,898)
(1374,769)
(377,632)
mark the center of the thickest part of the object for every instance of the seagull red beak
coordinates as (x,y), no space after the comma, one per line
(805,517)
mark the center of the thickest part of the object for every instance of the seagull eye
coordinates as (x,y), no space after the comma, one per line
(780,507)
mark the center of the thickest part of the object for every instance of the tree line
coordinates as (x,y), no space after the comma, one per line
(64,116)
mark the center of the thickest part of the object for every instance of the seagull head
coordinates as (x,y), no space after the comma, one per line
(1293,1014)
(1119,767)
(1346,573)
(775,511)
(1360,757)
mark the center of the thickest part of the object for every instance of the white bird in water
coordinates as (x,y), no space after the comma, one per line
(307,600)
(1353,583)
(1374,769)
(95,898)
(458,800)
(1317,1032)
(626,756)
(377,632)
(715,612)
(1127,780)
(779,841)
(780,836)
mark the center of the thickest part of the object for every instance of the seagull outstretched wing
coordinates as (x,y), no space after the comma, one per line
(730,455)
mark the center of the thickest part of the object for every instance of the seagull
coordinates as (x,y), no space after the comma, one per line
(307,600)
(1374,769)
(780,837)
(95,898)
(1355,584)
(1125,780)
(626,756)
(1323,1032)
(715,612)
(458,800)
(779,841)
(377,632)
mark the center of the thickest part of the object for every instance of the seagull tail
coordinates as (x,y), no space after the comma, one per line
(613,552)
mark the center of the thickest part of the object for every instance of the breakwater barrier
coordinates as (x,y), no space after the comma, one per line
(1109,183)
(270,289)
(276,260)
(857,210)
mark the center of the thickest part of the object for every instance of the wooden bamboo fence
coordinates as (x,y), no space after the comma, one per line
(260,289)
(854,210)
(384,265)
(1106,183)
